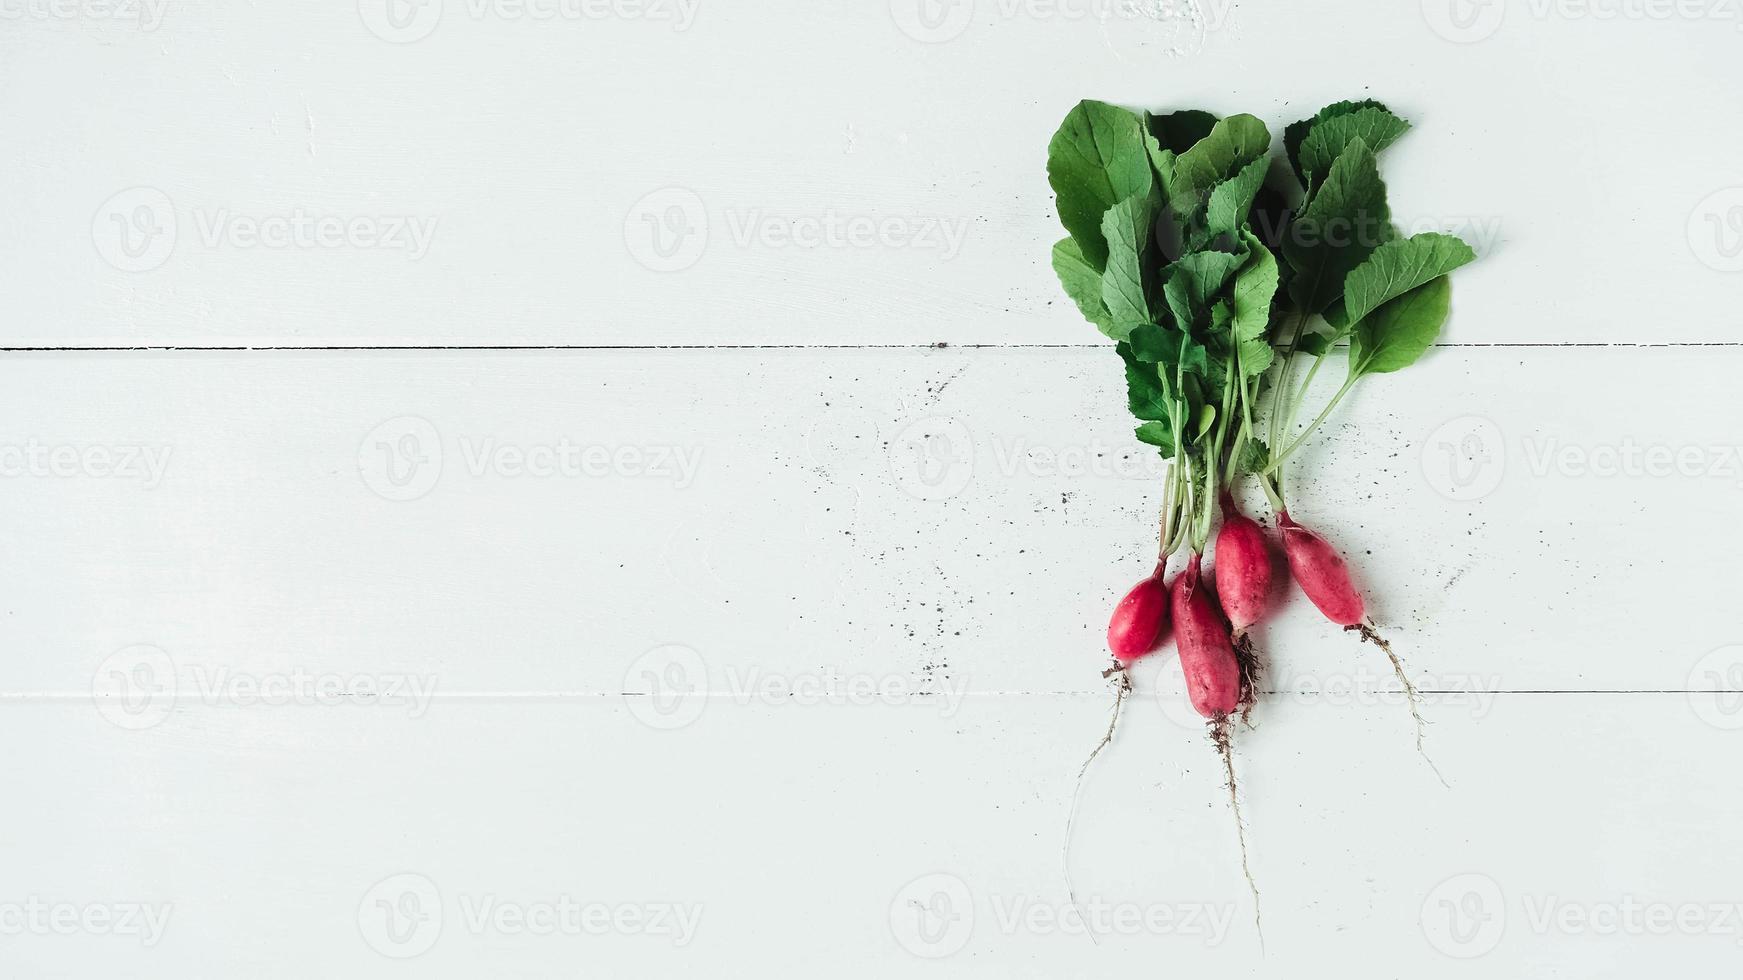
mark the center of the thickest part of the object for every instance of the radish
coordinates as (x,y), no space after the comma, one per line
(1324,575)
(1243,568)
(1207,653)
(1215,681)
(1140,621)
(1163,255)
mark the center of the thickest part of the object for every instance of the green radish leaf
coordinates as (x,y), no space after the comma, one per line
(1097,159)
(1160,435)
(1206,419)
(1230,146)
(1395,335)
(1296,132)
(1231,202)
(1162,161)
(1254,457)
(1329,138)
(1255,290)
(1082,283)
(1190,359)
(1191,285)
(1394,269)
(1146,393)
(1313,344)
(1338,229)
(1152,343)
(1168,136)
(1173,353)
(1129,230)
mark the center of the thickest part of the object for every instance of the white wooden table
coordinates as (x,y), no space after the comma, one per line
(614,489)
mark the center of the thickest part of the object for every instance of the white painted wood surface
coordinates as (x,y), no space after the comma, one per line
(781,652)
(1578,152)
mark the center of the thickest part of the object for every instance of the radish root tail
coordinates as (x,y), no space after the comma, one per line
(1221,736)
(1251,669)
(1121,691)
(1411,697)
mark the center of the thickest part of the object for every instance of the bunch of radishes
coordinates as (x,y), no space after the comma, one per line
(1214,279)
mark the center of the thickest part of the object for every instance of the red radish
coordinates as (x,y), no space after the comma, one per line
(1326,580)
(1243,568)
(1322,574)
(1214,680)
(1207,654)
(1141,619)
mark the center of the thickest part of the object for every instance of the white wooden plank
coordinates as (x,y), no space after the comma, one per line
(798,833)
(940,521)
(526,149)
